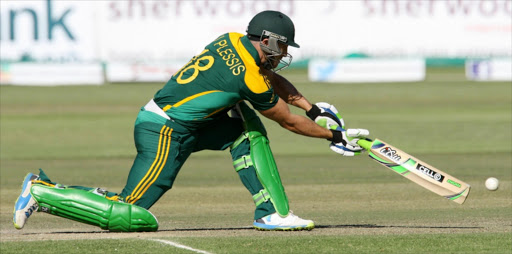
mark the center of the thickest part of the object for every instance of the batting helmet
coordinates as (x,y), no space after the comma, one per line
(267,23)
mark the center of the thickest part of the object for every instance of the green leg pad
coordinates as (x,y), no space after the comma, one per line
(87,207)
(267,172)
(263,159)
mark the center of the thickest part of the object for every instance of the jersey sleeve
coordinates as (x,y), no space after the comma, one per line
(254,86)
(259,92)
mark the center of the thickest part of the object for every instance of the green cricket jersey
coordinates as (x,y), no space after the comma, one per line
(211,83)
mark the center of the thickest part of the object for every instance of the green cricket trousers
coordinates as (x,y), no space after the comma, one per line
(163,146)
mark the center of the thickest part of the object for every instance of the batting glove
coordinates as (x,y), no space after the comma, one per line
(325,115)
(344,142)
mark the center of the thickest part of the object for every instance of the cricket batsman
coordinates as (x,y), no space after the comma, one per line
(204,106)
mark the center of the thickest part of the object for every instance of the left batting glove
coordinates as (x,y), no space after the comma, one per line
(325,115)
(344,142)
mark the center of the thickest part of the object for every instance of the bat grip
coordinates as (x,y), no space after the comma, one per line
(365,143)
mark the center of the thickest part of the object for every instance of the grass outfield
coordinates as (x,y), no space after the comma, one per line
(82,135)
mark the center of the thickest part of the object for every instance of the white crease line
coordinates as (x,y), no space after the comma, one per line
(177,245)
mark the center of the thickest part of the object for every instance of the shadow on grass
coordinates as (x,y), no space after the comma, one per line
(327,226)
(390,226)
(251,228)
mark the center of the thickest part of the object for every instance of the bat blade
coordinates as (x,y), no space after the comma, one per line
(416,170)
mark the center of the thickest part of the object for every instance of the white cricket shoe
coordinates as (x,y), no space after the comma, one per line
(25,204)
(276,222)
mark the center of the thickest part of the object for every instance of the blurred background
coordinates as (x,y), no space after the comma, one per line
(50,42)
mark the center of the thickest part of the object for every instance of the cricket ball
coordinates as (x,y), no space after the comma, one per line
(492,183)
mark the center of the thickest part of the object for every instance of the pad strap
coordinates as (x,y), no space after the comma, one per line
(239,140)
(261,197)
(242,163)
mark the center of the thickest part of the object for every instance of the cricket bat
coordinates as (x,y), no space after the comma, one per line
(416,170)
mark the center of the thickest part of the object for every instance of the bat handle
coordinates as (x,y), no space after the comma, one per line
(365,143)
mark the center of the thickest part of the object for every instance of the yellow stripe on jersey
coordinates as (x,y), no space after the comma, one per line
(215,112)
(164,143)
(179,103)
(254,80)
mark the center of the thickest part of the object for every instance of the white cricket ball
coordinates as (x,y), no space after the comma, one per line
(492,183)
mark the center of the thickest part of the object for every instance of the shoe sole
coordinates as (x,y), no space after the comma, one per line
(25,194)
(263,227)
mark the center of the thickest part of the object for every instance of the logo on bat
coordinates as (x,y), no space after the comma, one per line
(429,172)
(391,154)
(456,184)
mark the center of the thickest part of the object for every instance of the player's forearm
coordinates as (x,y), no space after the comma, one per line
(295,123)
(302,103)
(287,91)
(303,126)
